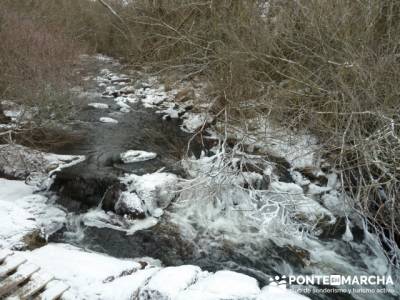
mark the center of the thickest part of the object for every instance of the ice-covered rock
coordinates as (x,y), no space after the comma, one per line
(108,120)
(194,121)
(132,156)
(156,190)
(130,204)
(121,102)
(17,161)
(169,282)
(99,105)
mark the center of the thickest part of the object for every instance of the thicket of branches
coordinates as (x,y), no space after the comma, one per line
(330,66)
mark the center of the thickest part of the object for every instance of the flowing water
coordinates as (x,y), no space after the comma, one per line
(212,235)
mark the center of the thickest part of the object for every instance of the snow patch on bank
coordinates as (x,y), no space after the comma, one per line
(23,212)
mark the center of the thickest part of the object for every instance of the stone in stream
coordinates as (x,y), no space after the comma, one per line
(83,187)
(108,120)
(98,105)
(129,204)
(132,156)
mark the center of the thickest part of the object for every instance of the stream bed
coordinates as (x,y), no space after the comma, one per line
(115,115)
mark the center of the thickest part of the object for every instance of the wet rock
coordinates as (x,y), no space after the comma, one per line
(281,168)
(162,241)
(3,118)
(83,184)
(34,240)
(293,255)
(312,174)
(333,231)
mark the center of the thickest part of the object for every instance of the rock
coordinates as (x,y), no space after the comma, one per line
(108,120)
(130,204)
(87,186)
(162,241)
(127,90)
(132,156)
(183,277)
(34,240)
(98,105)
(156,190)
(3,118)
(223,285)
(19,162)
(185,95)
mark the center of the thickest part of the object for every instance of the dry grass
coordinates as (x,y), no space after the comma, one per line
(331,67)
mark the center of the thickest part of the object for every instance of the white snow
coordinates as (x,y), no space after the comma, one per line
(271,292)
(22,212)
(132,156)
(223,285)
(108,120)
(193,121)
(99,105)
(90,275)
(169,282)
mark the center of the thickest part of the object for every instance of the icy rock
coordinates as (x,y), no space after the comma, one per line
(127,90)
(121,102)
(110,91)
(167,283)
(152,97)
(284,187)
(193,121)
(130,204)
(223,285)
(157,190)
(20,162)
(132,156)
(98,105)
(314,189)
(108,120)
